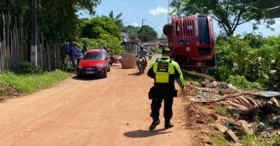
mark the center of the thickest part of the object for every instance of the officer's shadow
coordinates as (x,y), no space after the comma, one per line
(145,133)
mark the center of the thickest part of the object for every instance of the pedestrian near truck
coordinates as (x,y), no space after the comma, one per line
(165,72)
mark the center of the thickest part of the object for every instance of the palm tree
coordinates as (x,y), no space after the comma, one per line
(116,19)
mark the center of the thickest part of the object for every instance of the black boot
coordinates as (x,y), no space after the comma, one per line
(168,125)
(154,124)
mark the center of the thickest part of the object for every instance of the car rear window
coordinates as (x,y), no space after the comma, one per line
(93,56)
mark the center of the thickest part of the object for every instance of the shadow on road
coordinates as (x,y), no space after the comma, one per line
(145,133)
(2,100)
(134,74)
(88,78)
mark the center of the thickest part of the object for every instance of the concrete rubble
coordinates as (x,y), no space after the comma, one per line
(253,112)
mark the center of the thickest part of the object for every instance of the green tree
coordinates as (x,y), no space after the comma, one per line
(147,33)
(228,13)
(271,6)
(98,27)
(88,5)
(100,31)
(117,19)
(57,20)
(131,30)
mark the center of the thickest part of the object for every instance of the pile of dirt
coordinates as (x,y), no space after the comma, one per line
(198,116)
(7,90)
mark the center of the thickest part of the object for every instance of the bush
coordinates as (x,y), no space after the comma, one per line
(252,59)
(29,68)
(111,42)
(242,83)
(156,50)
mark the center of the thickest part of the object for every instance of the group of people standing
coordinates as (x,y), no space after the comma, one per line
(75,52)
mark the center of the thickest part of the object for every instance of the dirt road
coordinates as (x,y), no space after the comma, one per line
(102,112)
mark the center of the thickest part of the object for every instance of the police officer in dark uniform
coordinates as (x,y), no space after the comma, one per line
(164,71)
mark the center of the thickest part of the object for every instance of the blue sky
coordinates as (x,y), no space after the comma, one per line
(155,12)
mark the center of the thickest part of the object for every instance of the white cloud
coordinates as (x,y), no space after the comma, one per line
(135,24)
(158,11)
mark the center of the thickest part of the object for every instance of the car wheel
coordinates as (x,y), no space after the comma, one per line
(109,68)
(105,74)
(79,75)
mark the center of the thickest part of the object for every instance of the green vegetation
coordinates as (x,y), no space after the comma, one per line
(250,140)
(147,33)
(222,110)
(29,68)
(228,13)
(250,61)
(156,51)
(31,83)
(131,30)
(198,77)
(117,19)
(247,140)
(57,20)
(101,31)
(218,140)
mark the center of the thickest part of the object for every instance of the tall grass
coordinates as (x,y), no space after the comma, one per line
(32,83)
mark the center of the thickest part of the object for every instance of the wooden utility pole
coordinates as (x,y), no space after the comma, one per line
(34,53)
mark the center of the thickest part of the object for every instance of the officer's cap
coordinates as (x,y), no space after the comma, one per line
(166,50)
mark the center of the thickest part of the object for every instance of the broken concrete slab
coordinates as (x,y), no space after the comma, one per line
(220,128)
(245,127)
(229,133)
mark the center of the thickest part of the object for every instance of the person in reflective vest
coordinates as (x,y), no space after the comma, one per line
(79,54)
(165,72)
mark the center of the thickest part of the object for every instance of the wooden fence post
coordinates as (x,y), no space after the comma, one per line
(49,58)
(1,55)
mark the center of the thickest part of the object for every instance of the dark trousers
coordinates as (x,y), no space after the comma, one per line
(72,58)
(78,60)
(156,105)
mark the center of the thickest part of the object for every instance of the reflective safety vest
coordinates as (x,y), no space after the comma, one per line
(163,69)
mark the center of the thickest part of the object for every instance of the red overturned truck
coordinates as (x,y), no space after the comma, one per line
(192,42)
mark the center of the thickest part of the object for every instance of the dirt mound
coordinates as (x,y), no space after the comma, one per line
(198,114)
(198,118)
(7,90)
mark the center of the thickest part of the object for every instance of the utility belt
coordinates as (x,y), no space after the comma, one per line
(165,91)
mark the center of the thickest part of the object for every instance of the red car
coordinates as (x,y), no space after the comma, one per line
(95,62)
